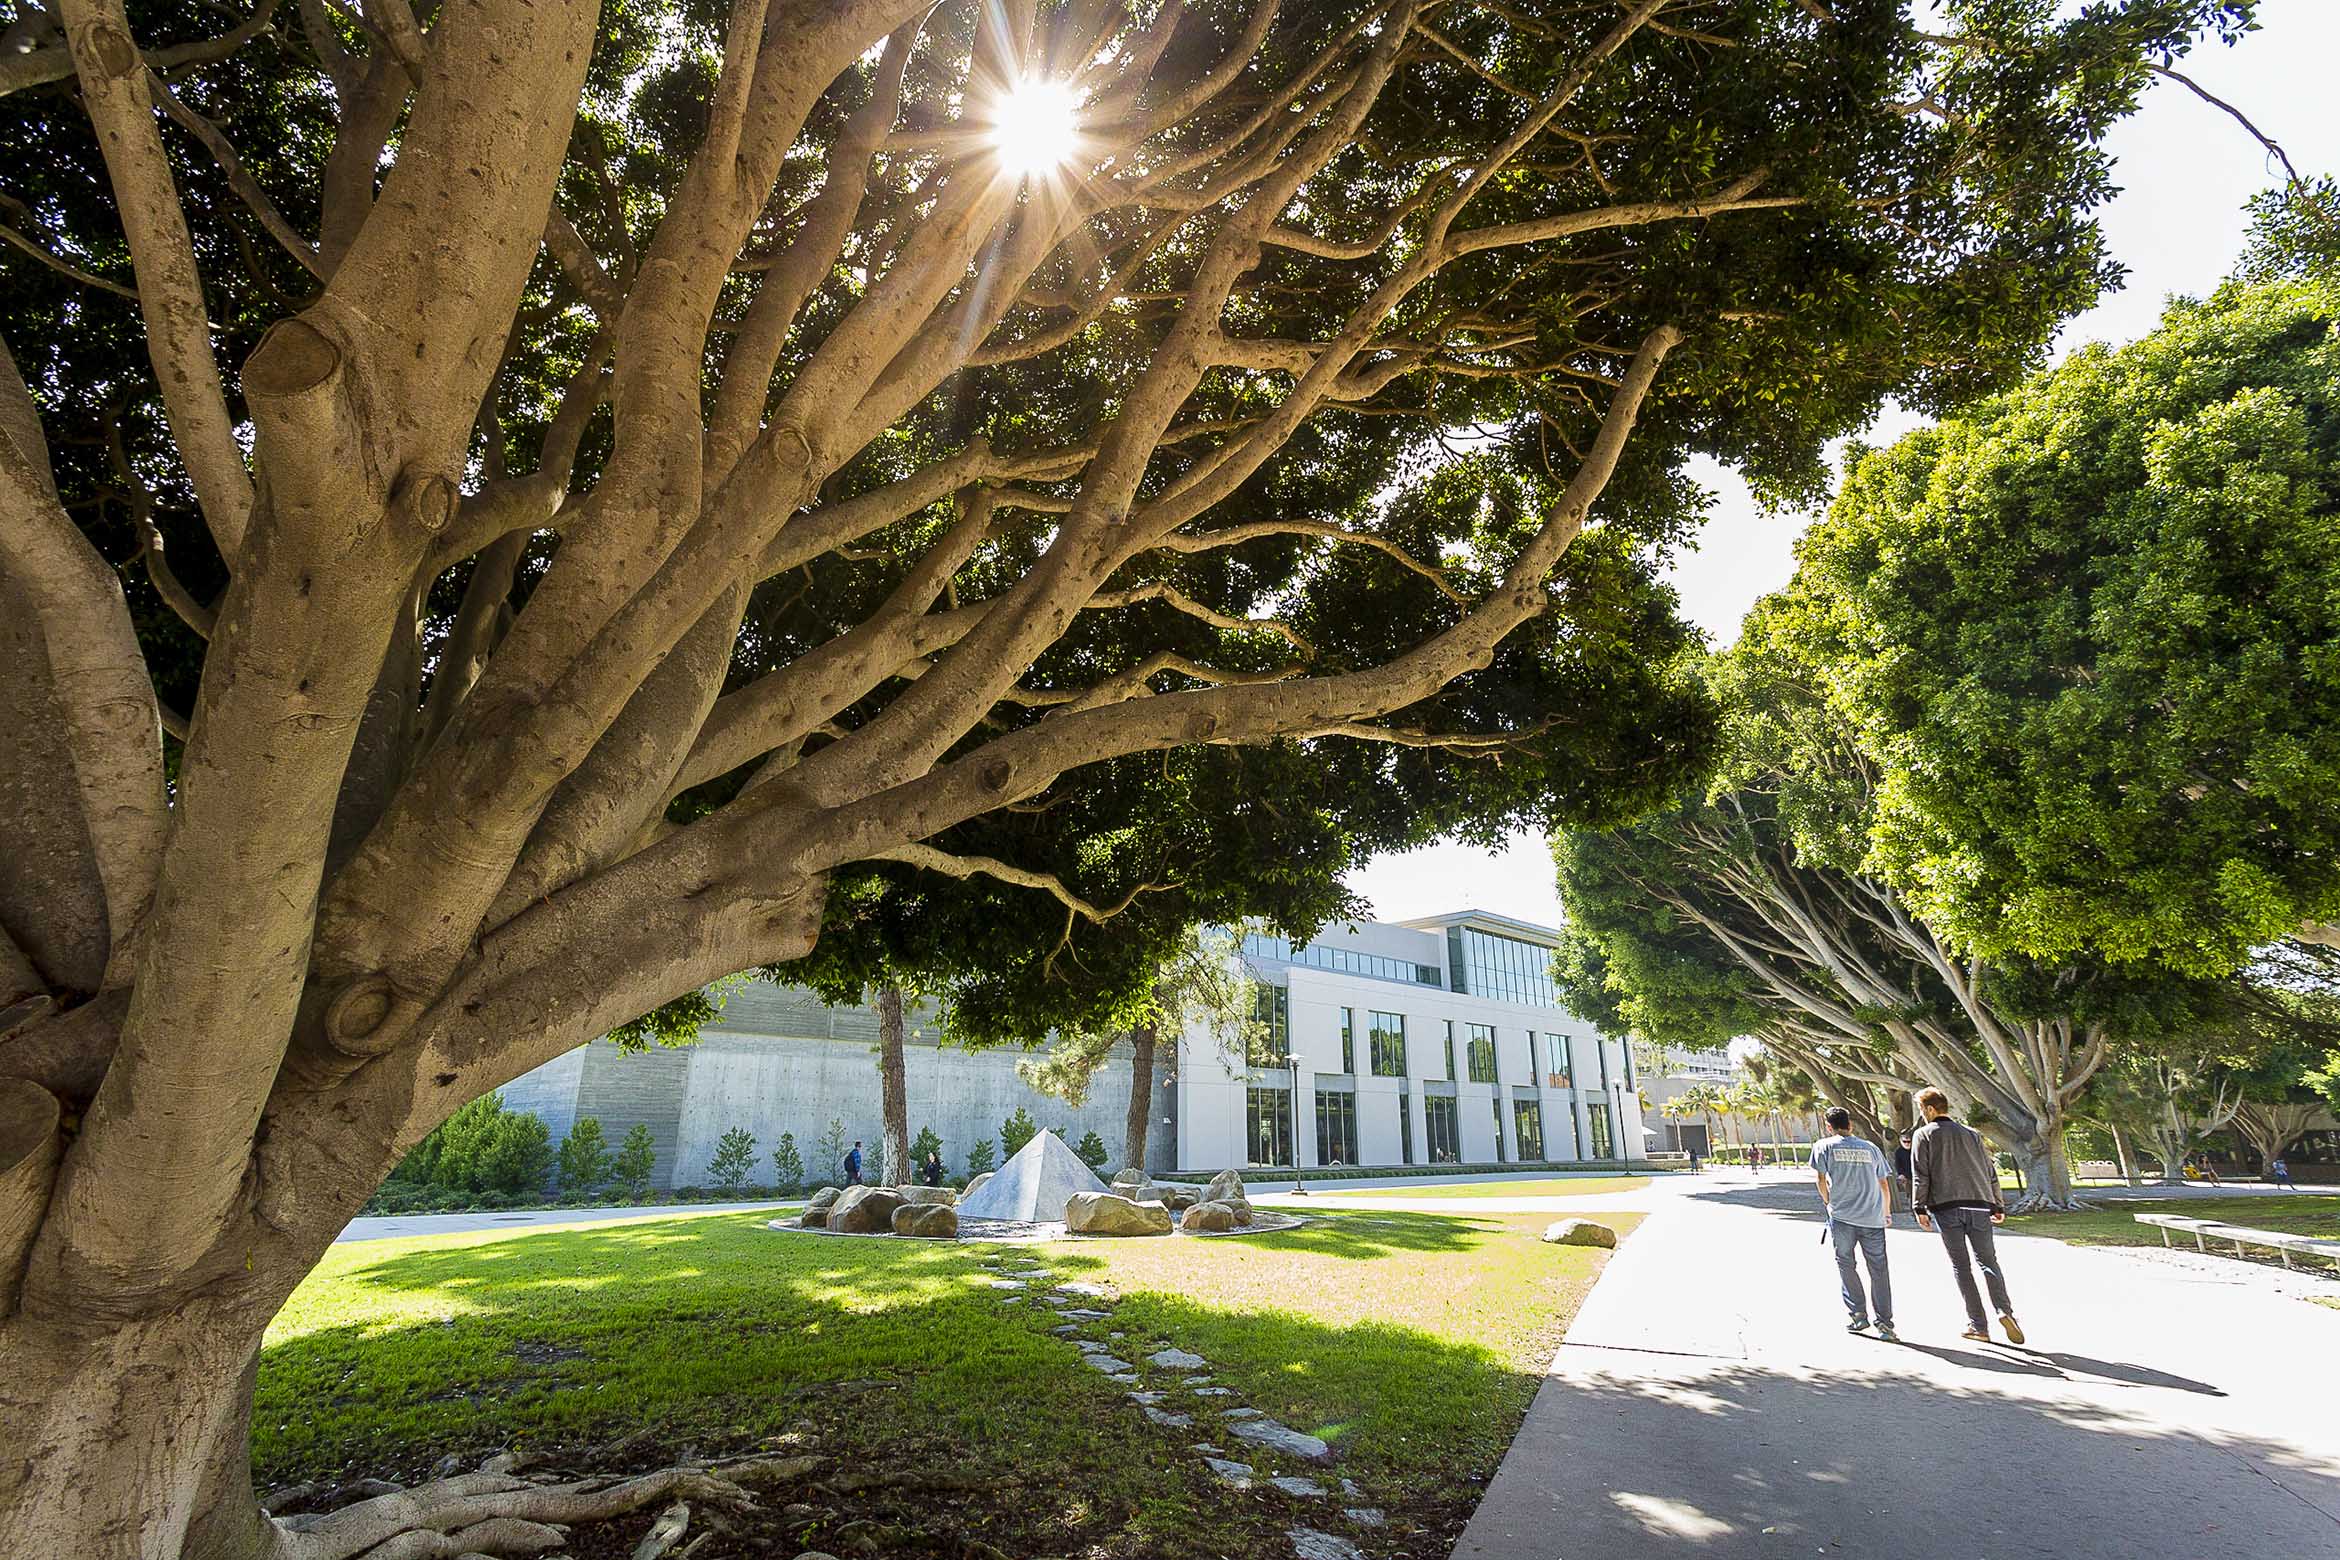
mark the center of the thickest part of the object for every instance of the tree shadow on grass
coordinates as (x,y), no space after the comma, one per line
(1720,1459)
(717,1335)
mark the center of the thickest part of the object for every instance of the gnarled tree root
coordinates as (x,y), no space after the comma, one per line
(489,1514)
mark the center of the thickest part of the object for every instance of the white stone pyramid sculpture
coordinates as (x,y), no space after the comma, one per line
(1032,1187)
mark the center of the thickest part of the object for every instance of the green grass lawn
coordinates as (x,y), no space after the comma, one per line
(1412,1342)
(2115,1223)
(1565,1186)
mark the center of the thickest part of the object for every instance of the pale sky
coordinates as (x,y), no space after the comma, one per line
(2178,223)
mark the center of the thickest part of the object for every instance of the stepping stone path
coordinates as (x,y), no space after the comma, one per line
(1247,1424)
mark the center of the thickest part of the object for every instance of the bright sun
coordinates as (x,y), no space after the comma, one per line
(1036,127)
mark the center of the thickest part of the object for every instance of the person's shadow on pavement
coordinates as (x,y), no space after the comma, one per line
(2135,1375)
(1997,1362)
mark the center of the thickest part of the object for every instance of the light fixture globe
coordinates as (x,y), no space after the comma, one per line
(1035,128)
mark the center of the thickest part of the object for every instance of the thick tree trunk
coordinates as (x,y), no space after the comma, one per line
(2047,1173)
(899,1170)
(1141,1095)
(2126,1159)
(129,1441)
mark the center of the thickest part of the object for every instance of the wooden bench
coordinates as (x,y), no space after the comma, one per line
(2206,1230)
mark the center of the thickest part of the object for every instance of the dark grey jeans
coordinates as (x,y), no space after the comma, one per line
(1871,1246)
(1968,1237)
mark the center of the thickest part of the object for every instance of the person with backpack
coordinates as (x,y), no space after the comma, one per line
(853,1165)
(1955,1184)
(1856,1187)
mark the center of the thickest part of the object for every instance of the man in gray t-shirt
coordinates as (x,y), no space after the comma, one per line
(1856,1183)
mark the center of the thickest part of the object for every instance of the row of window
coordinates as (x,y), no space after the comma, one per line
(1386,1051)
(1506,968)
(1269,1129)
(1349,961)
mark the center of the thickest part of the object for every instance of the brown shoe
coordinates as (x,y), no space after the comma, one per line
(1977,1334)
(2014,1331)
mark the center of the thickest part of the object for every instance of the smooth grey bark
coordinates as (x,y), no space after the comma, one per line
(1140,1117)
(893,1087)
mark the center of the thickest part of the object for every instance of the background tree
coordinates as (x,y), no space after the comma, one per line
(925,1144)
(1093,1152)
(2084,632)
(584,1156)
(625,470)
(734,1157)
(832,1145)
(1015,1132)
(979,1158)
(787,1165)
(636,1162)
(893,1087)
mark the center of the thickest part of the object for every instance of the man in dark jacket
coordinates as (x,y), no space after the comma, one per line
(1956,1189)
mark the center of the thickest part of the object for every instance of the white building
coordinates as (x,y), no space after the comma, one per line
(1422,1043)
(1435,1041)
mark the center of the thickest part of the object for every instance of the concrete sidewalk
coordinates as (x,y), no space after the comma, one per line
(519,1221)
(1708,1402)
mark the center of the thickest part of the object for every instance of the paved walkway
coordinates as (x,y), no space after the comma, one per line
(393,1226)
(1707,1402)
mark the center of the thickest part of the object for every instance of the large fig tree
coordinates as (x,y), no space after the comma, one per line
(502,503)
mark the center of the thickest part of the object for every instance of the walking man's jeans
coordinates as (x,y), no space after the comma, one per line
(1871,1245)
(1964,1228)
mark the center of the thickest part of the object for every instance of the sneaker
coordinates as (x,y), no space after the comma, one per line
(1977,1334)
(1859,1324)
(1885,1331)
(2014,1330)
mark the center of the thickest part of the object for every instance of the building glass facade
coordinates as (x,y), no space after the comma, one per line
(1438,1117)
(1527,1122)
(1269,1113)
(1509,969)
(1388,1045)
(1270,1041)
(1604,1143)
(1450,1050)
(1349,1040)
(1349,961)
(1336,1126)
(1497,1102)
(1556,1054)
(1481,1052)
(1405,1105)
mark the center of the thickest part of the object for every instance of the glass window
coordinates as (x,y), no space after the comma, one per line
(1336,1126)
(1497,1102)
(1556,1052)
(1629,1083)
(1507,968)
(1601,1050)
(1405,1104)
(1349,1041)
(1527,1122)
(1482,1052)
(1603,1146)
(1388,1045)
(1445,1137)
(1271,1038)
(1450,1050)
(1270,1113)
(1350,961)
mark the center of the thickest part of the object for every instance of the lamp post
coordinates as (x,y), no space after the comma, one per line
(1293,1137)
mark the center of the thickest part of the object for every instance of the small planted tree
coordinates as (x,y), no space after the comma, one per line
(832,1145)
(924,1144)
(787,1165)
(518,1155)
(735,1155)
(1092,1151)
(584,1156)
(980,1159)
(1016,1131)
(637,1157)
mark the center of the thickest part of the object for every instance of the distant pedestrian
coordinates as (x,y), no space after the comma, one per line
(933,1168)
(1956,1188)
(1901,1168)
(2280,1172)
(853,1165)
(1755,1160)
(1857,1190)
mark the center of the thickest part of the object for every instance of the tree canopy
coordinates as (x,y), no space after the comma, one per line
(510,512)
(2089,634)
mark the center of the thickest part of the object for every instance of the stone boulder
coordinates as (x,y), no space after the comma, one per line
(1580,1232)
(927,1221)
(1128,1176)
(815,1219)
(976,1185)
(1240,1207)
(865,1210)
(929,1196)
(1102,1213)
(1207,1218)
(826,1197)
(1180,1198)
(1226,1186)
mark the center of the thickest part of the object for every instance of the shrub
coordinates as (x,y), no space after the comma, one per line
(1092,1151)
(518,1155)
(636,1159)
(979,1159)
(1016,1131)
(832,1145)
(463,1141)
(735,1154)
(584,1156)
(787,1165)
